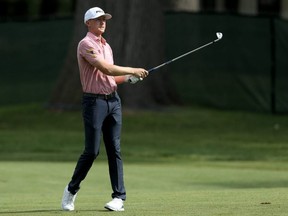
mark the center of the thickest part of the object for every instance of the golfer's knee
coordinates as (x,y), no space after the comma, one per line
(90,155)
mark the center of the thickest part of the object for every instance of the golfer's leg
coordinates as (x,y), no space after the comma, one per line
(93,116)
(111,134)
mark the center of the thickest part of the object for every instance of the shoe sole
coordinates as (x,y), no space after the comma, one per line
(112,209)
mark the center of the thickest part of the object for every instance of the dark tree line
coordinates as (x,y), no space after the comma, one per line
(21,10)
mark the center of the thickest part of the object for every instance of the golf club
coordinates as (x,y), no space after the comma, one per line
(219,37)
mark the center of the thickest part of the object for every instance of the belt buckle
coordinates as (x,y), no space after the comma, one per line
(109,96)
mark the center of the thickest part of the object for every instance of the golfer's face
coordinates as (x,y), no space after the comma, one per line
(97,26)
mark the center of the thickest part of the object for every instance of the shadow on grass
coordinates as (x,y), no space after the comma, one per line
(49,210)
(29,211)
(249,185)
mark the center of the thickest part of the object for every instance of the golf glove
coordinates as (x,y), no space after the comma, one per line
(133,79)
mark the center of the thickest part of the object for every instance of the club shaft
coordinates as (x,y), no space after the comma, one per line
(181,56)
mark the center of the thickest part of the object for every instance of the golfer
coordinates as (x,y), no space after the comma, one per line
(101,108)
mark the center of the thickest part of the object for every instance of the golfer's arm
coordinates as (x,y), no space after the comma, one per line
(112,70)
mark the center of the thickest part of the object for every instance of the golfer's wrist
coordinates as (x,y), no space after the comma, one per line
(131,71)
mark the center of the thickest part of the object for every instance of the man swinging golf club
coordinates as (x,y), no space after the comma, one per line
(101,108)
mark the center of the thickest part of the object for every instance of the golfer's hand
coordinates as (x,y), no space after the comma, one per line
(140,73)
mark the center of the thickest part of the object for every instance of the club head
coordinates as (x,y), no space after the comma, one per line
(219,35)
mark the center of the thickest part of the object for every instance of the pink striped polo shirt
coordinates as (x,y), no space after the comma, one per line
(91,48)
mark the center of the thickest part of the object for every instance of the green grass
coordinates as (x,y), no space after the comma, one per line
(199,188)
(178,161)
(30,132)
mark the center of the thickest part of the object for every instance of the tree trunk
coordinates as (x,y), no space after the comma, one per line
(67,91)
(136,35)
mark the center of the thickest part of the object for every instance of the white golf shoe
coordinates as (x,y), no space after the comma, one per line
(68,200)
(115,205)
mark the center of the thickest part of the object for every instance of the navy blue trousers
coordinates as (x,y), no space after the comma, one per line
(101,117)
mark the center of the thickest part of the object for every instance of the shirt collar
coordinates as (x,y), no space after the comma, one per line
(95,38)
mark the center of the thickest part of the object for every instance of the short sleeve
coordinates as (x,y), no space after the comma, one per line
(89,52)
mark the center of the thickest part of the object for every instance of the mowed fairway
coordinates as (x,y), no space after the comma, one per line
(206,188)
(178,161)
